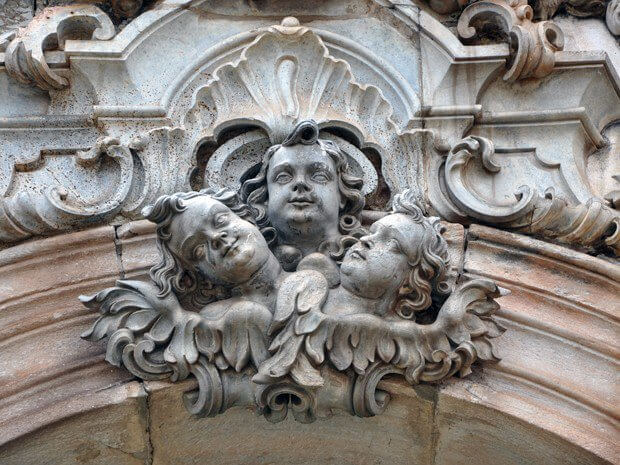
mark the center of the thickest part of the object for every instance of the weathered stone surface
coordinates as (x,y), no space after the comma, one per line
(402,434)
(44,378)
(536,393)
(115,433)
(15,13)
(484,415)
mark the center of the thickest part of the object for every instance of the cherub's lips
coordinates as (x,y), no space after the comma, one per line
(230,247)
(301,201)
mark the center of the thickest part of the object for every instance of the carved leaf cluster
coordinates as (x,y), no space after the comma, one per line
(460,335)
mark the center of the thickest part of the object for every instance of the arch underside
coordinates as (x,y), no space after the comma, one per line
(547,401)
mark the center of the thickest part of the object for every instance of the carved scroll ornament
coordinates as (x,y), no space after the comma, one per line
(592,224)
(56,209)
(532,45)
(24,56)
(286,303)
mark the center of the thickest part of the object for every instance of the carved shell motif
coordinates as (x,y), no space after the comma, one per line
(284,76)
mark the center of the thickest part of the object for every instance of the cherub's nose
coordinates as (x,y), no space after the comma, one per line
(219,239)
(300,185)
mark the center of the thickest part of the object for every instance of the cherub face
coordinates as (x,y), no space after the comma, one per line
(378,264)
(303,191)
(216,242)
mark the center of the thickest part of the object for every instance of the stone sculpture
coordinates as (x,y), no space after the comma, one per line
(304,195)
(265,302)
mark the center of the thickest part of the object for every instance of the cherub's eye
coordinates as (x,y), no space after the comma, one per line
(320,177)
(394,246)
(283,178)
(221,219)
(199,252)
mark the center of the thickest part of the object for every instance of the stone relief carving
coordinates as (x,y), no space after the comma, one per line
(24,49)
(612,17)
(52,210)
(276,80)
(546,9)
(268,296)
(543,9)
(591,224)
(533,45)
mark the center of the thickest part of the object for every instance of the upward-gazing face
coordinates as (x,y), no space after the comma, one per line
(304,200)
(212,239)
(378,264)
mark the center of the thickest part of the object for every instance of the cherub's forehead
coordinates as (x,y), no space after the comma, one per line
(198,212)
(202,207)
(300,154)
(400,226)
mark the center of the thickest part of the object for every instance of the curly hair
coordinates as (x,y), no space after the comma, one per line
(254,191)
(429,265)
(169,274)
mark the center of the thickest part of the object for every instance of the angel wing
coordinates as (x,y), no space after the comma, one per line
(155,338)
(297,314)
(458,337)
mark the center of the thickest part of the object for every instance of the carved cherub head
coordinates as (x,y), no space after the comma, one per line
(204,238)
(404,258)
(304,190)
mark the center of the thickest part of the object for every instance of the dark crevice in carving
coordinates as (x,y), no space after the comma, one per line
(118,247)
(378,199)
(203,154)
(147,425)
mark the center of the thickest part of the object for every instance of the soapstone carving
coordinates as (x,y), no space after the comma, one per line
(304,196)
(265,302)
(594,224)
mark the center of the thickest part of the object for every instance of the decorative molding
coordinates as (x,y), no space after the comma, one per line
(591,224)
(28,213)
(533,45)
(24,57)
(284,76)
(546,9)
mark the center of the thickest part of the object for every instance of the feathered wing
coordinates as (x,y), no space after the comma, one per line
(236,337)
(458,337)
(155,338)
(297,315)
(128,312)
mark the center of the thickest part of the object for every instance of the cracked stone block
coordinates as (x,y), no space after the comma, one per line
(113,435)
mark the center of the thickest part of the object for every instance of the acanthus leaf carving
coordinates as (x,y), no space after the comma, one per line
(221,308)
(533,45)
(24,57)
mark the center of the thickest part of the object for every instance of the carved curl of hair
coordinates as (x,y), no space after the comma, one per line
(429,266)
(254,191)
(169,274)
